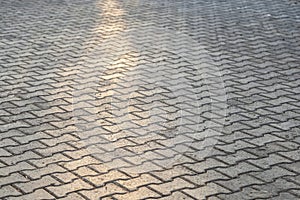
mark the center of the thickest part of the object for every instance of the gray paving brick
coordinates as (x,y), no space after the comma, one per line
(43,171)
(248,193)
(37,194)
(105,178)
(31,186)
(135,183)
(238,169)
(18,149)
(32,137)
(205,191)
(62,190)
(11,160)
(285,195)
(141,193)
(56,158)
(204,178)
(293,155)
(109,189)
(168,187)
(65,177)
(73,196)
(239,182)
(8,191)
(201,167)
(54,149)
(276,187)
(272,174)
(13,178)
(6,170)
(176,195)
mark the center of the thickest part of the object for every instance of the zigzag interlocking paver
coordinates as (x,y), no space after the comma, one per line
(32,185)
(176,99)
(63,189)
(37,194)
(140,193)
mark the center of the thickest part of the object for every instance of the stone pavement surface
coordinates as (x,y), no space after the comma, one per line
(160,99)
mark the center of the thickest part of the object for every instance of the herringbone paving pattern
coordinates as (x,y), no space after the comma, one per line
(171,99)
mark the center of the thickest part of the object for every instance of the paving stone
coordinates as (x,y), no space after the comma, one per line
(207,190)
(85,171)
(72,196)
(141,193)
(135,183)
(292,166)
(63,190)
(238,169)
(236,157)
(168,187)
(109,189)
(247,193)
(280,185)
(176,195)
(204,178)
(9,191)
(40,172)
(272,174)
(31,186)
(201,167)
(293,155)
(43,162)
(285,195)
(37,194)
(65,177)
(239,182)
(105,178)
(269,161)
(170,174)
(18,149)
(6,170)
(74,164)
(13,178)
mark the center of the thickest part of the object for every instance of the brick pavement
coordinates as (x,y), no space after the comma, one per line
(149,99)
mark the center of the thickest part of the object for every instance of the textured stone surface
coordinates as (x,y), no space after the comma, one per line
(172,99)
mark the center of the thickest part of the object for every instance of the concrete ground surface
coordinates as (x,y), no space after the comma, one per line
(140,99)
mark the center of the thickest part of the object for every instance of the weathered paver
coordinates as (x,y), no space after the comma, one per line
(116,99)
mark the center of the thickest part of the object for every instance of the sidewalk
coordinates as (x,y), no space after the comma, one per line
(119,99)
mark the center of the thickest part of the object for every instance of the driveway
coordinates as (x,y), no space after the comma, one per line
(137,99)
